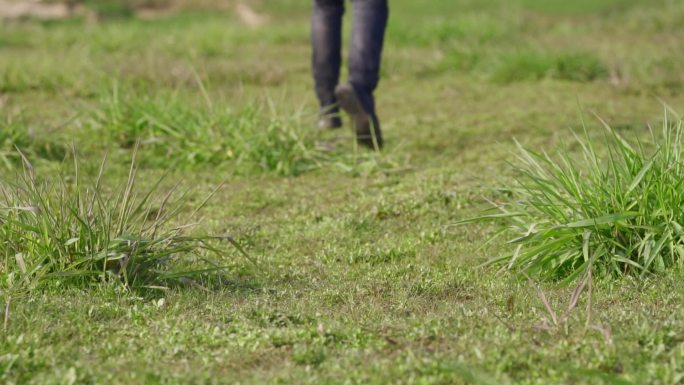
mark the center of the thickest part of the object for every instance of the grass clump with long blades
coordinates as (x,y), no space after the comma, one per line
(62,231)
(255,138)
(622,213)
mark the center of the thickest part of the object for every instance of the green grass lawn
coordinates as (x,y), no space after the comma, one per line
(362,276)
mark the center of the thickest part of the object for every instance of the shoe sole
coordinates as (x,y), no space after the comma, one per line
(346,97)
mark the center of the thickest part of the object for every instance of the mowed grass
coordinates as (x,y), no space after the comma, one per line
(362,276)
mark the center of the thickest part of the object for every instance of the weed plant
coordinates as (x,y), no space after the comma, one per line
(61,230)
(619,214)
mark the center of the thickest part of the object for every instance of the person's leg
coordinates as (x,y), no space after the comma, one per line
(365,48)
(365,53)
(326,40)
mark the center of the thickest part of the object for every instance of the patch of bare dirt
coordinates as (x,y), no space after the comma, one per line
(34,9)
(249,17)
(144,9)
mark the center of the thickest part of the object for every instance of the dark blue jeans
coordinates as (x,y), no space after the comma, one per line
(365,48)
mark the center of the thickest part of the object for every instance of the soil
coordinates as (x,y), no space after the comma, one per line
(37,9)
(33,9)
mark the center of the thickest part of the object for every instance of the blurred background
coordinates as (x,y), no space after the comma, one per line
(108,8)
(464,71)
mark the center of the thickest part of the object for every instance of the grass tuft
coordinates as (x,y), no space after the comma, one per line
(63,231)
(532,66)
(619,214)
(14,135)
(172,131)
(254,139)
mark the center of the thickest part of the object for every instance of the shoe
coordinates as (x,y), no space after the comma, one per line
(329,117)
(329,122)
(366,125)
